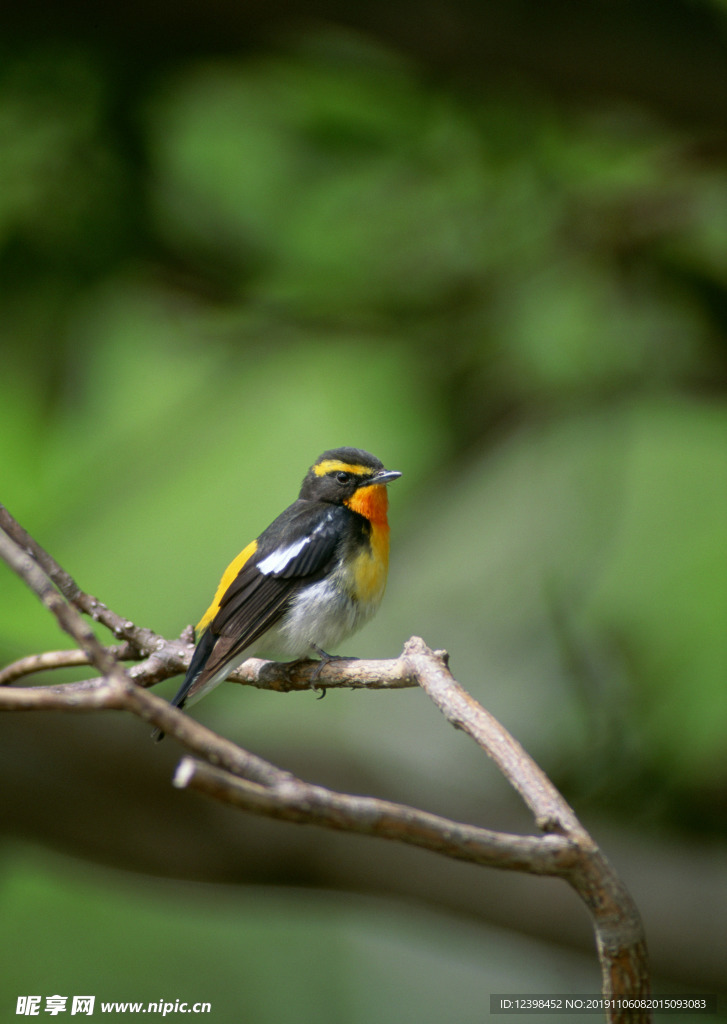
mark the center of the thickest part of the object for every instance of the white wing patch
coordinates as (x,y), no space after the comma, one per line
(278,560)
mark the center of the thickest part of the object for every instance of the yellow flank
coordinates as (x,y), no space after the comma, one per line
(227,577)
(370,568)
(337,466)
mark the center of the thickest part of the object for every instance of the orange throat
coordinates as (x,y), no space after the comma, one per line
(372,502)
(371,565)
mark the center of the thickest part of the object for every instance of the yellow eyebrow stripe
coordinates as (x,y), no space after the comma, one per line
(336,466)
(227,577)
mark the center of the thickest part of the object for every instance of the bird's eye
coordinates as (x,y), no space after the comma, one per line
(343,477)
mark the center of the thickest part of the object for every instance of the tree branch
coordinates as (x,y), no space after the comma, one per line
(235,776)
(291,799)
(58,659)
(123,629)
(617,923)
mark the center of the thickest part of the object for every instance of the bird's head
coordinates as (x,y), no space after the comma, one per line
(349,476)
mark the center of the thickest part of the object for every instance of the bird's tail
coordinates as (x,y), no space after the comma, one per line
(199,659)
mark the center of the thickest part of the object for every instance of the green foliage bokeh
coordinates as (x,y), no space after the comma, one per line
(268,256)
(208,279)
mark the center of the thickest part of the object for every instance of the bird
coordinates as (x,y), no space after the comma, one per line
(314,577)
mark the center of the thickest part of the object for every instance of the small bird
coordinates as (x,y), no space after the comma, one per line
(310,580)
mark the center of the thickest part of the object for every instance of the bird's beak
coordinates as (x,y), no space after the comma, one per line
(384,476)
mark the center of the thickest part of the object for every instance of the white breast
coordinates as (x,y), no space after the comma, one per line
(322,615)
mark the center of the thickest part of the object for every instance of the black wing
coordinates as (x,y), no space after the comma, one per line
(298,547)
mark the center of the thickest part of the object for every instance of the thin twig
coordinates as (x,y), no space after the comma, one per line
(172,659)
(50,660)
(123,629)
(68,617)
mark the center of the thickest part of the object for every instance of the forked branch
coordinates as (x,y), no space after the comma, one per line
(229,773)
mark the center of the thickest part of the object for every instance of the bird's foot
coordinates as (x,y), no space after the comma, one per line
(325,658)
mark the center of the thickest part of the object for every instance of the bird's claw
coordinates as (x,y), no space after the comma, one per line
(325,658)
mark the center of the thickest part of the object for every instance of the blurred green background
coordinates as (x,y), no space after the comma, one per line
(487,243)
